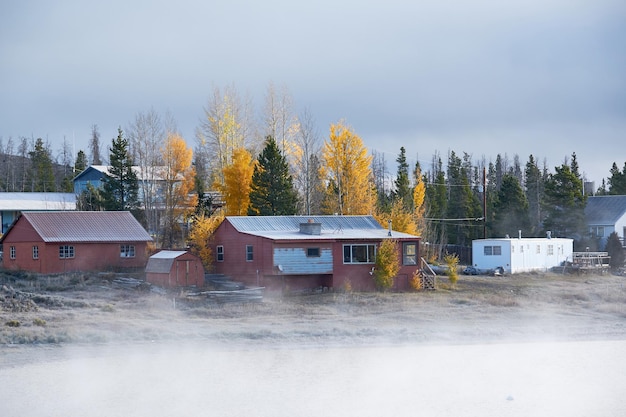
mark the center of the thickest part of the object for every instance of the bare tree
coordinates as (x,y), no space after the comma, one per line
(280,122)
(226,126)
(23,150)
(9,166)
(305,166)
(146,135)
(94,146)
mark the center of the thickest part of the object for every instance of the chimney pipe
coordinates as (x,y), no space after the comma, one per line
(389,223)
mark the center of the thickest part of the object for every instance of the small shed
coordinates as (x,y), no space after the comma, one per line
(170,269)
(516,255)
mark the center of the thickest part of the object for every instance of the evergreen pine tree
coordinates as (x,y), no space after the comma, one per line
(617,180)
(564,204)
(120,190)
(402,182)
(81,162)
(272,192)
(511,208)
(615,251)
(534,195)
(41,174)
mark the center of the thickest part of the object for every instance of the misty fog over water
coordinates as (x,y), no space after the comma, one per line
(193,379)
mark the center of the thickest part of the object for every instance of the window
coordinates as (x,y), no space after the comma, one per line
(597,231)
(127,251)
(220,253)
(359,254)
(249,253)
(313,252)
(12,252)
(550,249)
(35,252)
(538,249)
(66,251)
(409,253)
(493,250)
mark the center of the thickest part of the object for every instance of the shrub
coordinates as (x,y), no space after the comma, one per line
(39,322)
(452,263)
(13,323)
(416,280)
(387,264)
(615,251)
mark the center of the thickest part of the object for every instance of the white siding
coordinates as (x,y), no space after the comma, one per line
(522,255)
(294,261)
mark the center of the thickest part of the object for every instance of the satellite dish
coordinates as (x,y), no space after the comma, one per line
(280,268)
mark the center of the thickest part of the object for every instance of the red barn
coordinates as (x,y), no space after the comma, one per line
(170,268)
(63,241)
(298,252)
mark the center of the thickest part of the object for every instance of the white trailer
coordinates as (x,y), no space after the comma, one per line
(516,255)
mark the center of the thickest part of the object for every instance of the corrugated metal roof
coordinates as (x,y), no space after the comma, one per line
(87,226)
(161,262)
(168,254)
(157,173)
(333,227)
(605,209)
(37,201)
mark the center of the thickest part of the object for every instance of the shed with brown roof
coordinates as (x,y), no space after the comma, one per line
(65,241)
(171,269)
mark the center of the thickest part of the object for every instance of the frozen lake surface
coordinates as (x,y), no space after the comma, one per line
(194,379)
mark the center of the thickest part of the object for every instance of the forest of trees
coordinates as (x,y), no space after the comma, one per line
(283,165)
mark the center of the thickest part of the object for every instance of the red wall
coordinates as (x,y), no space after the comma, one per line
(87,256)
(236,266)
(178,276)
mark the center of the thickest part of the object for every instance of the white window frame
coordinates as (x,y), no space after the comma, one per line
(12,252)
(219,253)
(127,251)
(370,253)
(66,252)
(249,253)
(35,252)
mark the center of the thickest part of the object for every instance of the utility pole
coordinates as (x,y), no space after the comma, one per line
(484,203)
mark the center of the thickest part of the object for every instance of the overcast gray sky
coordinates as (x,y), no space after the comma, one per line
(541,77)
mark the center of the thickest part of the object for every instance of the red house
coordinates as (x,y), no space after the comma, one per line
(170,269)
(297,252)
(63,241)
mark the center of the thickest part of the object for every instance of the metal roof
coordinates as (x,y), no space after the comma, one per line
(605,209)
(333,227)
(86,226)
(161,262)
(157,173)
(37,201)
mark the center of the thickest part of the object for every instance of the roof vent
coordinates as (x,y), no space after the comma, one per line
(311,228)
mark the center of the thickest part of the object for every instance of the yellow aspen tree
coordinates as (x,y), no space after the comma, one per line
(387,264)
(237,183)
(200,235)
(419,194)
(225,127)
(178,175)
(346,168)
(401,219)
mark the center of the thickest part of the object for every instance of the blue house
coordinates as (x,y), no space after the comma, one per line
(604,215)
(12,204)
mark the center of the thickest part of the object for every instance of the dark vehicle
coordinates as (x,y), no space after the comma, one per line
(470,270)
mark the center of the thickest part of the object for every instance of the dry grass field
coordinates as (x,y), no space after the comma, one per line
(529,307)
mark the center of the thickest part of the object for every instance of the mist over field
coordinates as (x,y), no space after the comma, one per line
(523,345)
